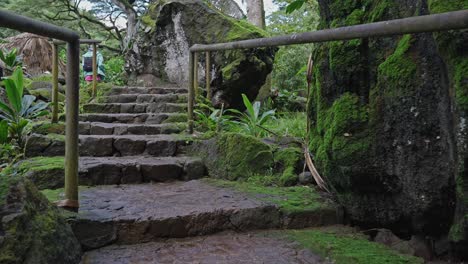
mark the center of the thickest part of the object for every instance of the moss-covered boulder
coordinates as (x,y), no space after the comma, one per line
(32,230)
(383,127)
(235,156)
(169,28)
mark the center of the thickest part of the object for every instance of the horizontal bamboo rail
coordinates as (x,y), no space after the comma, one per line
(418,24)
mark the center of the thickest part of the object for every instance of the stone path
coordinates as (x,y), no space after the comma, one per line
(227,248)
(144,188)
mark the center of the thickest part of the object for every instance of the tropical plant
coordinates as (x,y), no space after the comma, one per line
(10,59)
(212,119)
(19,109)
(252,120)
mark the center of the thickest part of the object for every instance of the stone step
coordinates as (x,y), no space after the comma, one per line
(107,145)
(138,169)
(147,90)
(129,214)
(135,108)
(146,118)
(118,170)
(226,248)
(98,128)
(144,98)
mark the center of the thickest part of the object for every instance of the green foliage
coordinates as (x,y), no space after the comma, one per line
(19,109)
(289,124)
(115,70)
(210,119)
(10,59)
(288,75)
(347,246)
(252,121)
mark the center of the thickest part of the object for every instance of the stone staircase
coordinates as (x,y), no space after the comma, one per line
(143,187)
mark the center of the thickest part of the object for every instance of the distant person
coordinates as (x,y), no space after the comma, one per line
(88,65)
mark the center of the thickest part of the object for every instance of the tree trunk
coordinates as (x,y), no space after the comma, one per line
(255,13)
(131,21)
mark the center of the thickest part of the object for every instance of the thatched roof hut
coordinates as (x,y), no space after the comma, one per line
(36,52)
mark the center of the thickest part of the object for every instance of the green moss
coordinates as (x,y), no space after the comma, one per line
(380,10)
(334,136)
(460,78)
(241,29)
(441,6)
(176,118)
(345,55)
(342,245)
(148,21)
(343,8)
(398,70)
(289,199)
(7,179)
(355,18)
(41,164)
(56,137)
(47,94)
(45,128)
(243,155)
(288,159)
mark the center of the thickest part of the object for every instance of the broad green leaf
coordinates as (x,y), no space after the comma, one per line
(295,5)
(248,105)
(7,111)
(13,96)
(2,55)
(256,107)
(19,80)
(3,132)
(26,103)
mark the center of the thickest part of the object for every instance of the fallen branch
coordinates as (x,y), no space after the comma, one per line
(318,179)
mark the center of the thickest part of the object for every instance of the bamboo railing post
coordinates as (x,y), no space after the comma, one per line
(71,128)
(195,74)
(208,75)
(94,70)
(191,92)
(55,83)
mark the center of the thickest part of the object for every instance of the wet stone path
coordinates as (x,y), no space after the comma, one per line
(225,248)
(146,203)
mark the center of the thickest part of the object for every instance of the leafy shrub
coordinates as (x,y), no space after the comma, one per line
(209,119)
(19,109)
(115,70)
(252,120)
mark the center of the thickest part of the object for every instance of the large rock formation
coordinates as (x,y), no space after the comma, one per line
(31,229)
(171,27)
(384,130)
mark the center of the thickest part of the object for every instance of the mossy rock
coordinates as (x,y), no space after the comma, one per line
(46,94)
(33,230)
(171,27)
(47,127)
(236,156)
(374,128)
